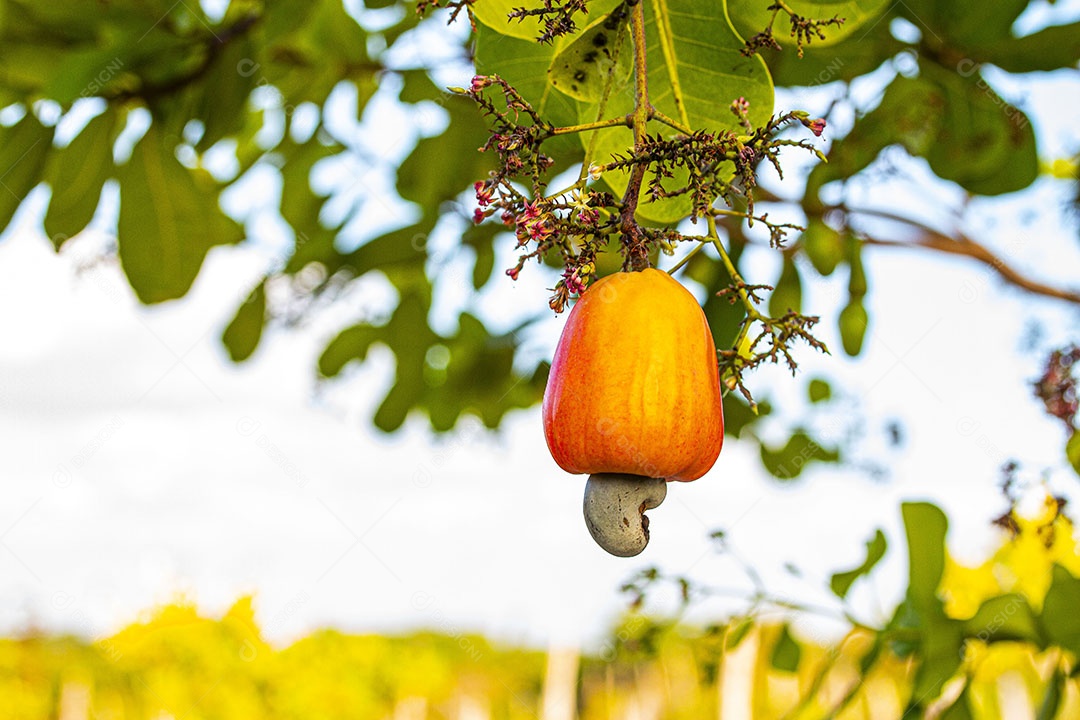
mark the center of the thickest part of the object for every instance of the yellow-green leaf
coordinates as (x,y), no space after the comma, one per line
(169,220)
(77,174)
(601,54)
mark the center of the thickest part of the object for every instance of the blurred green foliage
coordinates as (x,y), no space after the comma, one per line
(234,84)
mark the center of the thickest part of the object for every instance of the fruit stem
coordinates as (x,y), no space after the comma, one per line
(637,253)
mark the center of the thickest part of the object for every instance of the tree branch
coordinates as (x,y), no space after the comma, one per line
(931,239)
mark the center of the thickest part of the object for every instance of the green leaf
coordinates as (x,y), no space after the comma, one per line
(583,67)
(857,284)
(441,167)
(738,633)
(960,709)
(1072,451)
(242,335)
(853,324)
(169,220)
(925,526)
(909,115)
(964,23)
(984,144)
(77,173)
(823,245)
(1060,619)
(751,17)
(350,344)
(695,71)
(224,93)
(786,653)
(941,650)
(1055,691)
(322,45)
(300,206)
(940,637)
(788,462)
(787,296)
(1048,49)
(481,239)
(23,149)
(875,549)
(738,415)
(818,390)
(1004,617)
(724,317)
(495,15)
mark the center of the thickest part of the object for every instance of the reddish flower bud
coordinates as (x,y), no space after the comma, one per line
(816,126)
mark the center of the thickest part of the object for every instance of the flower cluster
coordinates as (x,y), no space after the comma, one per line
(557,17)
(718,165)
(803,29)
(1058,387)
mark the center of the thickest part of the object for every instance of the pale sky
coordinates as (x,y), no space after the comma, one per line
(138,464)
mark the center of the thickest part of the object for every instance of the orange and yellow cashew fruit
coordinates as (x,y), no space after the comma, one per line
(633,399)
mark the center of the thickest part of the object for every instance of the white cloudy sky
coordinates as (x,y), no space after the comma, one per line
(137,464)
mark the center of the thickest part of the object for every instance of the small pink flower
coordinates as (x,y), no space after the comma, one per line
(479,82)
(816,126)
(538,230)
(478,216)
(574,283)
(531,211)
(483,193)
(589,217)
(513,273)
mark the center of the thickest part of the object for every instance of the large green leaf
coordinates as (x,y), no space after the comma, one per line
(752,16)
(984,144)
(23,149)
(695,71)
(964,23)
(169,219)
(77,173)
(841,582)
(967,133)
(909,114)
(1048,49)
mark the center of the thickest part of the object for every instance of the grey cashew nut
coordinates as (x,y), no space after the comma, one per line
(615,506)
